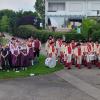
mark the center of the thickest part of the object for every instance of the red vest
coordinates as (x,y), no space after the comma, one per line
(53,49)
(69,50)
(79,51)
(37,44)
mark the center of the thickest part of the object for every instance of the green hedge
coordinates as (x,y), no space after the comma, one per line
(96,36)
(26,31)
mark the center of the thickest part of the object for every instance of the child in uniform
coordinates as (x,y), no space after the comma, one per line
(24,57)
(78,55)
(97,53)
(15,56)
(68,55)
(4,59)
(31,51)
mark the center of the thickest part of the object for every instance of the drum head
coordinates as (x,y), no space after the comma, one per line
(50,62)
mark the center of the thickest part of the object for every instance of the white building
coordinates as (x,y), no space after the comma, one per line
(61,12)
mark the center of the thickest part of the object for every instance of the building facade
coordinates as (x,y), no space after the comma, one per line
(60,12)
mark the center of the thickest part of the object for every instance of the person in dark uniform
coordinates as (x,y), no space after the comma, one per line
(4,59)
(15,57)
(30,51)
(37,47)
(0,55)
(24,58)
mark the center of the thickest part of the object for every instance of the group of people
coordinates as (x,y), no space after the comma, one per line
(81,53)
(18,55)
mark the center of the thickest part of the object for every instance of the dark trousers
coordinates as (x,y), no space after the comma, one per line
(37,52)
(5,63)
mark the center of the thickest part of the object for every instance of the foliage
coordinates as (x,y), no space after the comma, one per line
(3,41)
(26,31)
(40,8)
(38,69)
(96,32)
(17,18)
(4,24)
(87,23)
(6,12)
(11,15)
(95,28)
(96,36)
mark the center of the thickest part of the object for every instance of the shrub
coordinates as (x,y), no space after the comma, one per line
(26,31)
(96,36)
(87,24)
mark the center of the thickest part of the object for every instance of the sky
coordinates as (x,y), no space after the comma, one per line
(17,5)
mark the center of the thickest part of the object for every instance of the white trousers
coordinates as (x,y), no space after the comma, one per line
(68,58)
(79,60)
(90,57)
(99,58)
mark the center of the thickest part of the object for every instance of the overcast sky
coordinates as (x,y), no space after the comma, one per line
(16,5)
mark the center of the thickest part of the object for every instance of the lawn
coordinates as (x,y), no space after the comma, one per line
(39,69)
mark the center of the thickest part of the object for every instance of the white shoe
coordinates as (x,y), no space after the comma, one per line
(17,71)
(32,74)
(8,71)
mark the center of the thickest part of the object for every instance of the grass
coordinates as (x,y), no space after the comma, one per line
(39,69)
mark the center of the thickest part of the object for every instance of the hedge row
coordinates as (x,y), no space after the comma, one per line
(96,36)
(27,31)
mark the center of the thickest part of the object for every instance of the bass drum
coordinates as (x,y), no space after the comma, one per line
(50,62)
(92,57)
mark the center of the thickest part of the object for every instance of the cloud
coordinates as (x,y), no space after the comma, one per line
(17,4)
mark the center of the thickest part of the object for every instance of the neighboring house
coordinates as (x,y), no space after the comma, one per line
(63,12)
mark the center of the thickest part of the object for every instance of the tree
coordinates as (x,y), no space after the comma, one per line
(87,24)
(13,24)
(40,8)
(4,24)
(6,12)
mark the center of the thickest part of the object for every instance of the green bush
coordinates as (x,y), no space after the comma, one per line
(95,32)
(26,31)
(96,36)
(87,24)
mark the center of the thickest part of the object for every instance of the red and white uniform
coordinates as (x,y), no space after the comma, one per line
(68,53)
(78,55)
(97,51)
(47,45)
(58,46)
(73,45)
(68,56)
(62,52)
(52,51)
(89,49)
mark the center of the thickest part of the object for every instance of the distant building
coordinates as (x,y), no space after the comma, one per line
(63,12)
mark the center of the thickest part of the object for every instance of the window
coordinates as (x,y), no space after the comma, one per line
(53,7)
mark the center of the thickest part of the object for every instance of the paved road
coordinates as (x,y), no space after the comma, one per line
(87,88)
(49,87)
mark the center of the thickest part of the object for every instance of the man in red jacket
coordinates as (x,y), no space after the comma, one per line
(37,47)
